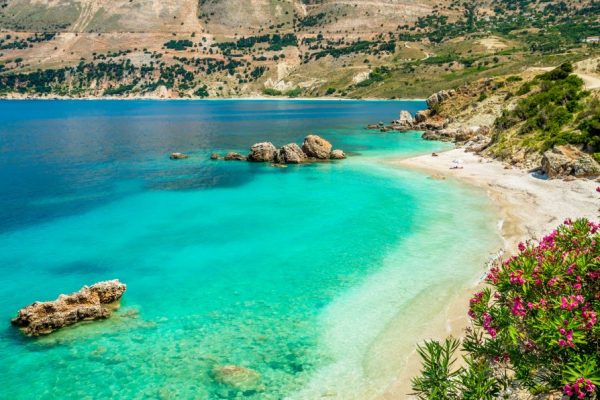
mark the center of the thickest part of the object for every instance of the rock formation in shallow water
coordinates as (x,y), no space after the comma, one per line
(178,156)
(262,152)
(234,157)
(89,303)
(337,155)
(290,154)
(405,122)
(316,147)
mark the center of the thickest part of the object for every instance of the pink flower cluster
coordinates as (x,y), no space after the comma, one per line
(568,337)
(580,388)
(517,307)
(589,317)
(572,302)
(516,277)
(487,325)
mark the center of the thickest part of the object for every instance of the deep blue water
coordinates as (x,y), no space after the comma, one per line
(226,263)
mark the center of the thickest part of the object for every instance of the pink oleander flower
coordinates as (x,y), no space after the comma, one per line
(590,318)
(571,302)
(580,388)
(517,308)
(516,278)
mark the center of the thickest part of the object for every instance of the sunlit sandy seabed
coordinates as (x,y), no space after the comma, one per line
(297,273)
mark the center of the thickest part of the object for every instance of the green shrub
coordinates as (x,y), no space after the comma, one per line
(514,78)
(295,92)
(535,326)
(271,92)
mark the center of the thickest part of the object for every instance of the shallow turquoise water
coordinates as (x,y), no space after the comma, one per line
(294,272)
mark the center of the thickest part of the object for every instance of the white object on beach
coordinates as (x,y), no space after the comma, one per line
(457,161)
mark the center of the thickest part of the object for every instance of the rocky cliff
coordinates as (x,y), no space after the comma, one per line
(533,120)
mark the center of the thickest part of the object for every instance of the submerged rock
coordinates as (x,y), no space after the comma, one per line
(316,147)
(243,379)
(337,155)
(89,303)
(178,156)
(234,157)
(262,152)
(290,154)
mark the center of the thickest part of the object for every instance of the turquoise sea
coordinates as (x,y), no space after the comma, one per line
(299,274)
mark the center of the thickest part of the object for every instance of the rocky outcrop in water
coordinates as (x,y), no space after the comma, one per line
(90,303)
(290,154)
(337,155)
(178,156)
(563,161)
(405,122)
(234,157)
(316,147)
(262,152)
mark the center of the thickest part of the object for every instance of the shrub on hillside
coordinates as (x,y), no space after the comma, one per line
(534,327)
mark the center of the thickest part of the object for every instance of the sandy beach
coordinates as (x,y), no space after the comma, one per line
(528,207)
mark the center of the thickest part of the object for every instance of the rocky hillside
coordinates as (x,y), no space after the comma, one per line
(539,120)
(222,48)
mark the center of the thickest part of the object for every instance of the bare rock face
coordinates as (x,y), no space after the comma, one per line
(469,132)
(316,147)
(562,161)
(214,156)
(90,303)
(234,157)
(405,122)
(262,152)
(421,116)
(443,135)
(290,154)
(178,156)
(337,155)
(243,379)
(478,143)
(439,97)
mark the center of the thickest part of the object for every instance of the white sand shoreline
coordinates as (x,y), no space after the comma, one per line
(528,208)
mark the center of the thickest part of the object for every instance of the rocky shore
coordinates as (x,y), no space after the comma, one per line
(89,303)
(461,116)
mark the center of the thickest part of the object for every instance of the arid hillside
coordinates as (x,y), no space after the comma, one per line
(222,48)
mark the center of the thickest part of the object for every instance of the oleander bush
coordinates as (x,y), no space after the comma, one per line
(535,327)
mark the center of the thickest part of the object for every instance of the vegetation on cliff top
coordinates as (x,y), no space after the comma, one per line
(554,109)
(534,327)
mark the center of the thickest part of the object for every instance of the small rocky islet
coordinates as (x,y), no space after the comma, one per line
(313,149)
(90,303)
